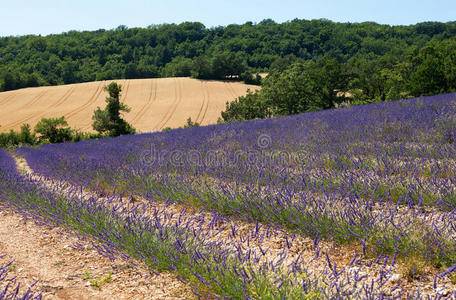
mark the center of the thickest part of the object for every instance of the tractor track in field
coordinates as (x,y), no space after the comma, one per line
(151,98)
(173,106)
(92,99)
(61,100)
(34,100)
(7,98)
(265,242)
(29,117)
(125,92)
(204,105)
(206,91)
(178,89)
(230,90)
(64,98)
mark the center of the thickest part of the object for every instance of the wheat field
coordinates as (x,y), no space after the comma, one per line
(155,103)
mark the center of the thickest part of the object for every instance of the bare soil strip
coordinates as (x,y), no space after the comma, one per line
(62,262)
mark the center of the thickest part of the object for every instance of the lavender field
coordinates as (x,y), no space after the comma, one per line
(355,202)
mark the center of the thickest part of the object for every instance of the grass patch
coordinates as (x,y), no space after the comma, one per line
(414,268)
(101,281)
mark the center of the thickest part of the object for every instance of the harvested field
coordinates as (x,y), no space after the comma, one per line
(155,103)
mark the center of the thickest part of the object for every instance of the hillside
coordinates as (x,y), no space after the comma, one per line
(186,49)
(359,201)
(154,103)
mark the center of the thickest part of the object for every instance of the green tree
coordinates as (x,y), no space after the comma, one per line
(368,84)
(68,72)
(434,69)
(53,130)
(248,107)
(9,82)
(282,63)
(227,64)
(291,91)
(26,136)
(202,68)
(178,67)
(306,86)
(429,77)
(331,80)
(9,139)
(109,120)
(250,78)
(131,71)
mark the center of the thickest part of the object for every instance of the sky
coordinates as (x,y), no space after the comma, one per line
(20,17)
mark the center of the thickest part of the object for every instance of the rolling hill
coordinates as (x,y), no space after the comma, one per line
(155,103)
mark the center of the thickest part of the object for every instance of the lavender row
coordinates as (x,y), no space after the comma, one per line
(184,247)
(180,247)
(363,174)
(408,145)
(349,156)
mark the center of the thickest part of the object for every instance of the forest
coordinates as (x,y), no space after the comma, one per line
(379,62)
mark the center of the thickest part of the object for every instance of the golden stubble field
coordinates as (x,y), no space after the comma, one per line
(155,103)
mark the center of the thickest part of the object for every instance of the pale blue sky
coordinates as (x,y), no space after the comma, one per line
(19,17)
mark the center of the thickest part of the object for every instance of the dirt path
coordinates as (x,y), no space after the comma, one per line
(60,260)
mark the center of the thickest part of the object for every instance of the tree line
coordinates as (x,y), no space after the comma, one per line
(295,85)
(233,51)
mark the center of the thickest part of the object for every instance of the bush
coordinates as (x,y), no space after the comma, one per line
(190,123)
(250,78)
(54,130)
